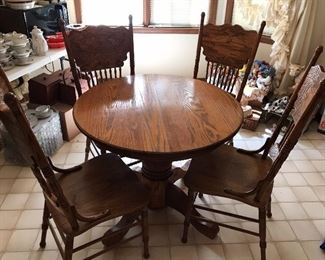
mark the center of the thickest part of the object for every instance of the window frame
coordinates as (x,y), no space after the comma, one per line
(148,28)
(228,19)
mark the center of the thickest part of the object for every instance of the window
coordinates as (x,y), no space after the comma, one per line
(172,16)
(249,14)
(148,15)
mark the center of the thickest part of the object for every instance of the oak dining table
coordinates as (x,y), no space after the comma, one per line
(159,119)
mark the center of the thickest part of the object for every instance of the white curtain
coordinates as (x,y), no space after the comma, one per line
(293,21)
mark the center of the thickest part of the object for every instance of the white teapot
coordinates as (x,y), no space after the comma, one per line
(39,43)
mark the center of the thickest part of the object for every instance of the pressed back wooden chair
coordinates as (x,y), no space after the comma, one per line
(247,176)
(81,197)
(98,53)
(227,48)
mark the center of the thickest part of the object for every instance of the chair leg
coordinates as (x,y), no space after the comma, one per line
(268,208)
(145,233)
(45,225)
(262,231)
(68,248)
(87,149)
(188,212)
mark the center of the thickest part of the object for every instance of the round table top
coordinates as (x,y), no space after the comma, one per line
(150,115)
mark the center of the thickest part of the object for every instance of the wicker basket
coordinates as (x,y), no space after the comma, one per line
(251,122)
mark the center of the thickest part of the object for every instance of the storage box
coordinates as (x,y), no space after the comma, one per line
(69,128)
(251,122)
(68,92)
(44,89)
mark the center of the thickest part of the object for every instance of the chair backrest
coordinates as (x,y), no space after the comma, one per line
(98,53)
(17,125)
(306,98)
(227,48)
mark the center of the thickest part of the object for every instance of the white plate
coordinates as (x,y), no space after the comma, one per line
(8,66)
(21,6)
(45,115)
(23,62)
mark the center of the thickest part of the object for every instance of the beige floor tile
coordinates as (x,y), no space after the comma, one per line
(318,144)
(175,234)
(316,210)
(5,185)
(4,238)
(227,208)
(158,235)
(232,236)
(2,198)
(297,155)
(320,225)
(210,252)
(284,194)
(35,201)
(174,217)
(293,211)
(246,210)
(319,165)
(22,240)
(305,145)
(253,227)
(44,255)
(79,138)
(237,252)
(291,251)
(288,166)
(304,166)
(313,154)
(136,242)
(294,179)
(75,158)
(157,217)
(37,187)
(304,193)
(320,192)
(50,242)
(30,219)
(23,185)
(14,201)
(128,253)
(277,213)
(9,218)
(271,251)
(305,230)
(16,256)
(280,231)
(314,178)
(10,172)
(159,253)
(106,256)
(26,172)
(77,147)
(312,250)
(280,181)
(59,158)
(183,253)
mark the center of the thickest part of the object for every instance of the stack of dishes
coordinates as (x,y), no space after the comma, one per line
(20,4)
(20,48)
(5,55)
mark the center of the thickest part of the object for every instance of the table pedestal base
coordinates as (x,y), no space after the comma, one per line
(159,178)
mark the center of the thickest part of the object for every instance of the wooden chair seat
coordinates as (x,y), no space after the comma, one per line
(248,176)
(240,172)
(110,184)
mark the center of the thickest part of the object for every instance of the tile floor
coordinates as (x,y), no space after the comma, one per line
(294,233)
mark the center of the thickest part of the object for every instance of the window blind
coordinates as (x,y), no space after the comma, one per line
(177,12)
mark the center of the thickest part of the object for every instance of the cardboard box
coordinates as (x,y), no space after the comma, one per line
(69,128)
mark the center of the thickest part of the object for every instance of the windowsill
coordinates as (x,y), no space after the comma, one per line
(182,30)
